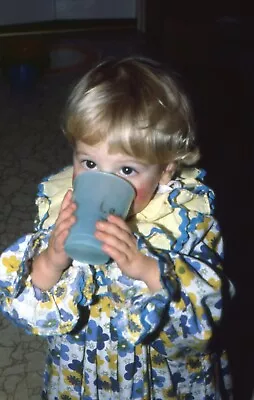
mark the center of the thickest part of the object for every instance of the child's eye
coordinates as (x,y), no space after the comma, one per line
(127,171)
(88,164)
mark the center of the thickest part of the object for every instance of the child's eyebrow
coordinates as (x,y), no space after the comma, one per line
(83,153)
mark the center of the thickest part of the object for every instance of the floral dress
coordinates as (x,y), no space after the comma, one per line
(109,337)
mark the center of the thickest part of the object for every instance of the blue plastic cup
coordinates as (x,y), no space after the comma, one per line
(97,194)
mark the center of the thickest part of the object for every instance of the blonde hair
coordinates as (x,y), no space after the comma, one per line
(137,107)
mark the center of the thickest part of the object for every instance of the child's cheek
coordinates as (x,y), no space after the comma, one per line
(76,172)
(141,196)
(74,175)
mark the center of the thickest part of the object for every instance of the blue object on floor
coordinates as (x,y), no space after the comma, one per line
(22,76)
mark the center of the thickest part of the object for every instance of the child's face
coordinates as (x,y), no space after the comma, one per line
(144,177)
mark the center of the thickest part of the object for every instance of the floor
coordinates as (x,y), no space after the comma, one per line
(32,147)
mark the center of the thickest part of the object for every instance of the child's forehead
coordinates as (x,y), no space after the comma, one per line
(104,149)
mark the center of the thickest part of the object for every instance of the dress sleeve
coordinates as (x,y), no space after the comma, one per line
(55,311)
(41,312)
(184,312)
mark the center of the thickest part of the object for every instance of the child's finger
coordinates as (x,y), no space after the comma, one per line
(117,242)
(109,231)
(66,200)
(64,225)
(117,255)
(118,221)
(66,211)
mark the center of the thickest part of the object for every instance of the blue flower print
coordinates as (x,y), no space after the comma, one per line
(189,326)
(20,322)
(76,365)
(124,347)
(194,264)
(157,379)
(177,378)
(5,287)
(137,390)
(77,338)
(102,280)
(126,281)
(91,356)
(15,246)
(158,345)
(102,337)
(103,384)
(115,385)
(219,304)
(46,377)
(87,378)
(197,377)
(65,316)
(132,368)
(95,333)
(55,353)
(51,321)
(92,331)
(64,352)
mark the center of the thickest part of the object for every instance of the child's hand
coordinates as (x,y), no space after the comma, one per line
(48,267)
(120,244)
(55,252)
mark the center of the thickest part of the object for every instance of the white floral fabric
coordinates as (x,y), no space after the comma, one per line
(109,337)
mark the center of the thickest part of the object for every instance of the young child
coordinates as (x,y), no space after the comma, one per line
(140,326)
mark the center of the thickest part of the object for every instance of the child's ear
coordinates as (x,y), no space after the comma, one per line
(168,173)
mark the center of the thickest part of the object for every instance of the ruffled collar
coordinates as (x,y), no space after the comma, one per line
(187,190)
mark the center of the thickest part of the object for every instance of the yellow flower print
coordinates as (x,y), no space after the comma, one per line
(67,396)
(118,295)
(99,361)
(183,272)
(89,288)
(215,283)
(102,306)
(180,305)
(199,310)
(165,339)
(49,304)
(11,264)
(211,239)
(60,292)
(194,365)
(112,361)
(134,326)
(204,226)
(207,335)
(86,389)
(53,370)
(105,382)
(169,393)
(72,378)
(138,349)
(158,361)
(73,307)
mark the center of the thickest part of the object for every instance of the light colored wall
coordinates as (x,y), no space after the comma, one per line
(95,9)
(25,11)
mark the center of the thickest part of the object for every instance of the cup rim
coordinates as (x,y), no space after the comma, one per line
(110,174)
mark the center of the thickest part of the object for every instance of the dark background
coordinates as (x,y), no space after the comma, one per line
(214,55)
